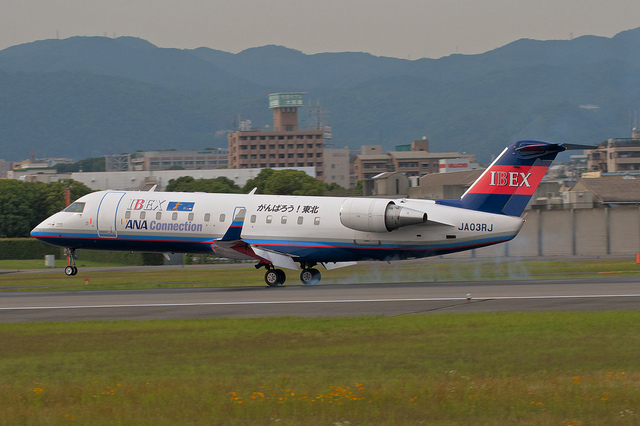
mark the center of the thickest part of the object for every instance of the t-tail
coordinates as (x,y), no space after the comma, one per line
(507,185)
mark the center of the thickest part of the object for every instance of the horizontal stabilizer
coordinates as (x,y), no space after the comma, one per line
(531,149)
(574,146)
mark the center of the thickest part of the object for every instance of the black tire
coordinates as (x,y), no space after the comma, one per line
(274,277)
(282,277)
(310,276)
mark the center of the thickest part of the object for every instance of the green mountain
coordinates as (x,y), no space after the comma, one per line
(89,96)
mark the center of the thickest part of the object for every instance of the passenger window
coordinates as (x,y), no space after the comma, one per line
(222,217)
(253,218)
(127,215)
(300,220)
(283,220)
(174,216)
(207,217)
(316,221)
(143,215)
(158,215)
(190,216)
(269,218)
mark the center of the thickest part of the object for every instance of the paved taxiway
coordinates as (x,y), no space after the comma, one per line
(592,294)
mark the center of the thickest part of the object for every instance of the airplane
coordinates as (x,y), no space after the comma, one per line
(281,231)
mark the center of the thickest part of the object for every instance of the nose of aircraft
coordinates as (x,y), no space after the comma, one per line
(47,224)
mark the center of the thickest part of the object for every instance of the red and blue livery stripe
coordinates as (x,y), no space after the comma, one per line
(507,185)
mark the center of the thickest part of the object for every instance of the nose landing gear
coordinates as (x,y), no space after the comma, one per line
(71,268)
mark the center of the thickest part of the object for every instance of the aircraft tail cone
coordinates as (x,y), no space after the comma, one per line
(397,217)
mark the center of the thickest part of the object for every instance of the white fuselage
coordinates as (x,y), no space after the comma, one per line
(307,229)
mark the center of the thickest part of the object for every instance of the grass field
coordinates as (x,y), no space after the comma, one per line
(444,369)
(246,275)
(481,369)
(39,264)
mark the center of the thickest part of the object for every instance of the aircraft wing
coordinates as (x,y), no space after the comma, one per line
(282,260)
(238,250)
(278,259)
(231,244)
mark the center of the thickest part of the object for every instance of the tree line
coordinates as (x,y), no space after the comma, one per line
(23,205)
(268,181)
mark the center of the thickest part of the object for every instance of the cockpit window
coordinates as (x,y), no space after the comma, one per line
(75,208)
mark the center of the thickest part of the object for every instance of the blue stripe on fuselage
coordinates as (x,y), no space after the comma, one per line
(123,242)
(318,251)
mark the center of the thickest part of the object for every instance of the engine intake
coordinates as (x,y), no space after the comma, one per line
(377,215)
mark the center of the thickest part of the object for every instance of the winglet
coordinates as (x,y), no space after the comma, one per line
(235,230)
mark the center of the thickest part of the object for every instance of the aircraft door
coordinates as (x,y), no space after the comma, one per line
(106,219)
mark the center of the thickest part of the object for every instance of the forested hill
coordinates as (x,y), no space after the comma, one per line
(89,96)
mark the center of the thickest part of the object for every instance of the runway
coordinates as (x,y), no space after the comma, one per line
(336,300)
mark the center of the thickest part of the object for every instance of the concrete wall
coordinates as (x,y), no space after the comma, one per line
(580,232)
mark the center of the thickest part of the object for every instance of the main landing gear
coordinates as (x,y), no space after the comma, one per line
(71,269)
(276,277)
(310,276)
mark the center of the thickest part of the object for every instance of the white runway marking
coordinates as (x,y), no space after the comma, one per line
(289,302)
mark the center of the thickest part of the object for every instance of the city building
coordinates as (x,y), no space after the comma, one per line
(337,167)
(448,165)
(366,166)
(451,185)
(605,191)
(32,170)
(388,184)
(216,158)
(283,146)
(414,163)
(5,166)
(617,155)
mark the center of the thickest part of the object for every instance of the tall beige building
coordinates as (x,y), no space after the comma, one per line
(284,146)
(337,168)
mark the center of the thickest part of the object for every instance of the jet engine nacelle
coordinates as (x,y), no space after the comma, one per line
(377,215)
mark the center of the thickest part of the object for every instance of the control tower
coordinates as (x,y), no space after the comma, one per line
(285,110)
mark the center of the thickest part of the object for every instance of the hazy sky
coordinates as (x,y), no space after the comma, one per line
(398,28)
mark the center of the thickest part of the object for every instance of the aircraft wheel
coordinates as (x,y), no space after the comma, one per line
(275,277)
(310,276)
(70,270)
